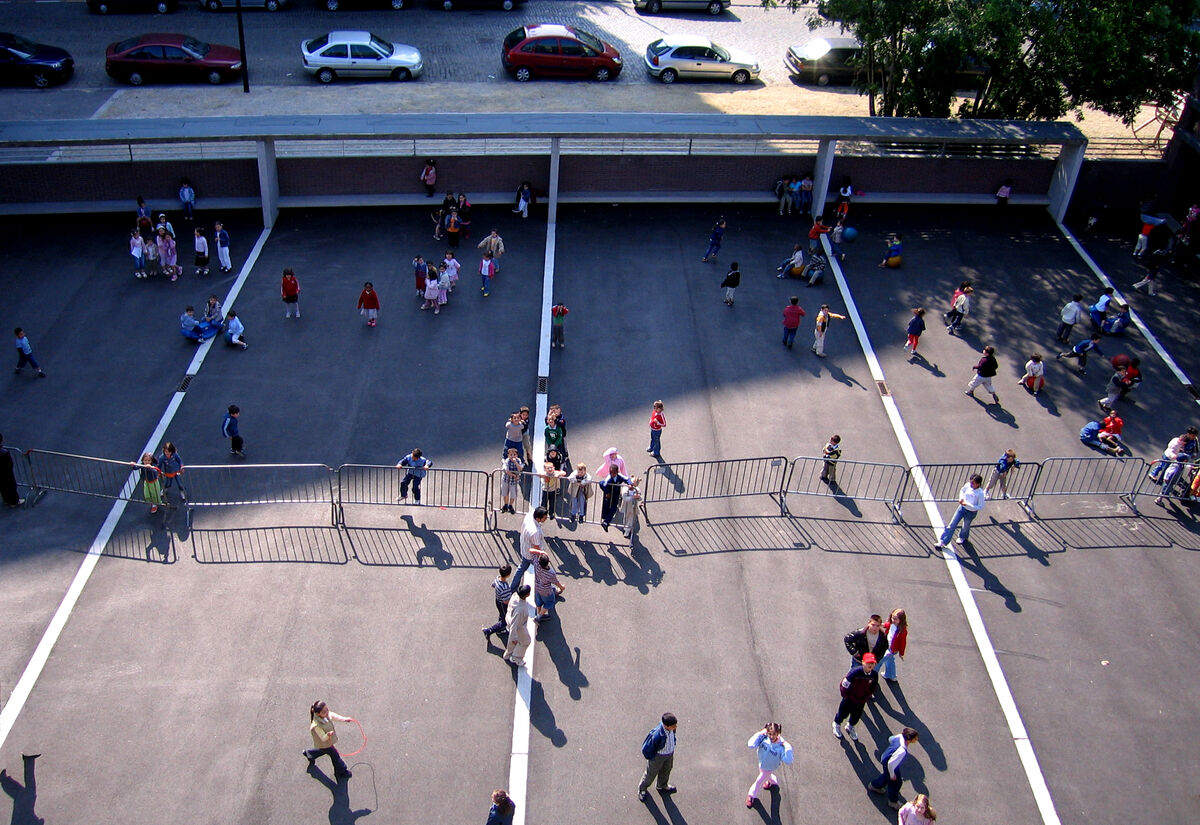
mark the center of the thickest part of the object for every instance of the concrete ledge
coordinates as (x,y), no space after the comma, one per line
(97,207)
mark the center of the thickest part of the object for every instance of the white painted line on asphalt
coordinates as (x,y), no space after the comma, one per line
(41,654)
(1133,316)
(1008,704)
(106,105)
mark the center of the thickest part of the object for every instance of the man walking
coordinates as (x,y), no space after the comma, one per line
(857,687)
(659,750)
(532,539)
(891,759)
(985,371)
(495,244)
(416,467)
(970,502)
(823,316)
(792,313)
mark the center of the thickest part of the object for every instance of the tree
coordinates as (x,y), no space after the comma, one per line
(1025,59)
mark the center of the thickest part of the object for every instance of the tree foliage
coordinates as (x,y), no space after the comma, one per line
(1025,59)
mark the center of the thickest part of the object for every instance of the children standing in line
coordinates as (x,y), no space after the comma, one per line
(487,271)
(229,429)
(420,275)
(167,253)
(1035,371)
(551,483)
(368,303)
(916,325)
(222,239)
(657,422)
(150,249)
(289,289)
(558,317)
(137,249)
(502,589)
(431,293)
(151,487)
(201,252)
(731,283)
(831,454)
(443,287)
(579,490)
(510,480)
(25,353)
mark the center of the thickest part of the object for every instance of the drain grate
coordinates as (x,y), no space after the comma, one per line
(883,388)
(543,384)
(187,380)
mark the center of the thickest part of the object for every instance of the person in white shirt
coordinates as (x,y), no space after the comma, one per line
(520,611)
(1072,313)
(970,502)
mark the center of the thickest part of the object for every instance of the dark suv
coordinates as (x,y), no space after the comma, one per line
(826,60)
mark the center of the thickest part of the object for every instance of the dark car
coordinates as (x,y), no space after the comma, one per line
(826,60)
(25,62)
(334,5)
(713,7)
(450,5)
(171,58)
(562,51)
(106,6)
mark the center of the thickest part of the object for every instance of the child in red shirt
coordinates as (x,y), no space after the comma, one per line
(368,303)
(657,422)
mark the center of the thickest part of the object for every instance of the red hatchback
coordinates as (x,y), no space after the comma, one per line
(563,51)
(171,58)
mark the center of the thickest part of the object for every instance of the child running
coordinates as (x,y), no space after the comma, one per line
(916,325)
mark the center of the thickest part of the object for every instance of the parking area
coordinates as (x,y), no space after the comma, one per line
(182,678)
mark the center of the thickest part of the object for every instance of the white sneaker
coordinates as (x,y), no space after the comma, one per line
(958,541)
(851,732)
(837,731)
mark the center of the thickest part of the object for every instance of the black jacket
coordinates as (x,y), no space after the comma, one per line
(856,644)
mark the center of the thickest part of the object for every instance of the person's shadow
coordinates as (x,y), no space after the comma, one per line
(340,812)
(431,545)
(24,797)
(569,672)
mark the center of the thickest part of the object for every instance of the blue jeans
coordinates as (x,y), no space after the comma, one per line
(893,785)
(339,764)
(486,283)
(962,514)
(789,335)
(713,248)
(521,568)
(655,441)
(416,487)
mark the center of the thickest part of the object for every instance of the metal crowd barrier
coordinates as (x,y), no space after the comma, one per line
(858,480)
(729,478)
(559,504)
(1181,480)
(946,482)
(452,489)
(83,475)
(240,484)
(1098,476)
(23,473)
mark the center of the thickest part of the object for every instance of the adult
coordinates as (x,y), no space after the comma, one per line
(324,736)
(1004,465)
(611,488)
(867,639)
(8,479)
(289,290)
(773,751)
(792,313)
(495,244)
(824,314)
(532,540)
(171,467)
(1071,314)
(416,467)
(714,240)
(985,370)
(503,809)
(659,751)
(970,502)
(857,687)
(520,611)
(235,331)
(892,759)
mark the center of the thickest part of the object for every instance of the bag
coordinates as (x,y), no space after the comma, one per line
(648,748)
(779,188)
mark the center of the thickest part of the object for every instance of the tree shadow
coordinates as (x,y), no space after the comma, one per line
(340,812)
(569,673)
(24,797)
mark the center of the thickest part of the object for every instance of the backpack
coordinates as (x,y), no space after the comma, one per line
(648,746)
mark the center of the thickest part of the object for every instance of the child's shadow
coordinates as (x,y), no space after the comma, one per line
(340,812)
(920,360)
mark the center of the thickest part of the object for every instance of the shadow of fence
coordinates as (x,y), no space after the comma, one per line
(297,545)
(413,545)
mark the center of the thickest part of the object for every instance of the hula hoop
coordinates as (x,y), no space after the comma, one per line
(364,739)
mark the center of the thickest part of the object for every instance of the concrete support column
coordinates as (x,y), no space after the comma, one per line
(268,181)
(822,174)
(1066,174)
(552,213)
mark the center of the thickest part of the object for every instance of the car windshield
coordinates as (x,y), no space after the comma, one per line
(195,47)
(658,47)
(21,47)
(384,47)
(514,37)
(591,41)
(126,45)
(721,53)
(317,43)
(817,49)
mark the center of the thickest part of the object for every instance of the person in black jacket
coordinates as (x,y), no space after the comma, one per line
(869,639)
(857,687)
(659,750)
(985,371)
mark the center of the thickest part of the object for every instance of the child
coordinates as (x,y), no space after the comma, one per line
(368,303)
(428,177)
(235,330)
(960,309)
(420,274)
(431,293)
(1035,372)
(1004,465)
(167,253)
(452,265)
(714,241)
(629,506)
(1110,434)
(1004,192)
(835,239)
(229,429)
(844,193)
(510,480)
(1149,280)
(138,250)
(892,257)
(289,290)
(150,250)
(187,198)
(551,483)
(1081,350)
(443,287)
(814,234)
(916,325)
(151,487)
(201,252)
(579,490)
(558,317)
(831,454)
(524,198)
(222,239)
(487,270)
(731,283)
(657,422)
(25,353)
(502,589)
(1116,383)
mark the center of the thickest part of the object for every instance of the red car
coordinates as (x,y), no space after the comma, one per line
(171,58)
(544,49)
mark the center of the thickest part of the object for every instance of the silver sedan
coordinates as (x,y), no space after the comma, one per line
(686,55)
(359,54)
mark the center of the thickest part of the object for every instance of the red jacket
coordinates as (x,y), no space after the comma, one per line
(368,300)
(792,316)
(901,640)
(290,287)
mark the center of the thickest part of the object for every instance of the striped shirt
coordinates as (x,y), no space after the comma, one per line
(544,579)
(503,589)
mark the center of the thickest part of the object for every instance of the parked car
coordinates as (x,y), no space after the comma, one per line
(359,54)
(826,60)
(171,58)
(713,7)
(450,5)
(269,5)
(334,5)
(545,49)
(25,62)
(694,56)
(106,6)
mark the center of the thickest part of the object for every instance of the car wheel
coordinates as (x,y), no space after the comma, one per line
(668,76)
(740,77)
(507,5)
(715,8)
(326,75)
(136,79)
(602,74)
(397,4)
(331,5)
(823,80)
(213,5)
(654,6)
(447,5)
(102,8)
(41,79)
(523,73)
(214,77)
(162,8)
(272,5)
(402,74)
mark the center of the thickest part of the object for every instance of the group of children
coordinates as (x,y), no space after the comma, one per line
(154,250)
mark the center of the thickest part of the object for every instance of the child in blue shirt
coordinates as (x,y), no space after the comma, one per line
(25,353)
